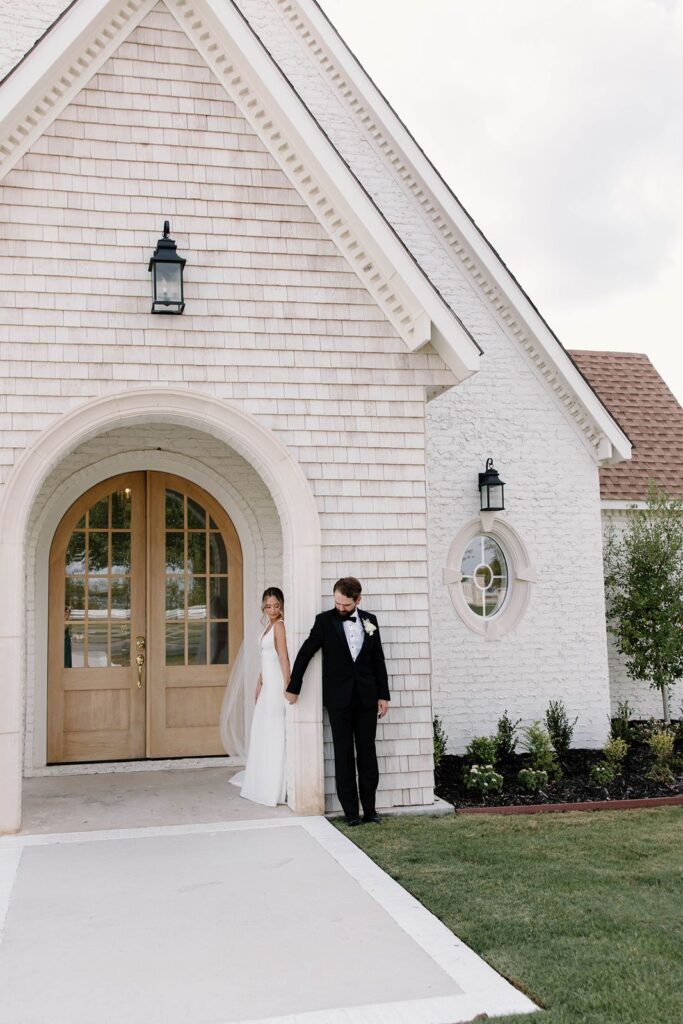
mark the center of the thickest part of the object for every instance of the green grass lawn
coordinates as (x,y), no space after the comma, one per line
(582,911)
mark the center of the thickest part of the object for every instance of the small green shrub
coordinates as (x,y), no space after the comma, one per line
(482,779)
(440,740)
(661,744)
(531,780)
(506,737)
(602,773)
(482,750)
(541,755)
(615,750)
(560,729)
(620,725)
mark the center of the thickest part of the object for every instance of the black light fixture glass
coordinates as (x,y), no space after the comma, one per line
(166,267)
(491,489)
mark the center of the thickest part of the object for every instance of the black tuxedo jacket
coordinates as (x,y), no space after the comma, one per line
(341,674)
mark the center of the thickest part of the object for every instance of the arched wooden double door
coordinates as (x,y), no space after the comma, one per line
(145,618)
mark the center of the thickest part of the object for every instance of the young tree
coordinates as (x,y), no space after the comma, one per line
(644,590)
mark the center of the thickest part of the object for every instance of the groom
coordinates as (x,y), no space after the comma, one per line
(355,693)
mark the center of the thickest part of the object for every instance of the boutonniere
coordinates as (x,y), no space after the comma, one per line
(369,627)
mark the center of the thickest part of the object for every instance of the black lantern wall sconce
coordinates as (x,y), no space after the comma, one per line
(166,267)
(491,489)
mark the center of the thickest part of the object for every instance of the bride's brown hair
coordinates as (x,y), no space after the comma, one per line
(278,595)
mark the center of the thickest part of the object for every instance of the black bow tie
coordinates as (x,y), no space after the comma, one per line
(350,618)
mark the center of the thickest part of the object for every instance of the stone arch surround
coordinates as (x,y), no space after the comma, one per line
(250,445)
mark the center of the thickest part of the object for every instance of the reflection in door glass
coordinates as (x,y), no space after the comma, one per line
(175,552)
(196,516)
(98,553)
(74,597)
(174,511)
(196,643)
(219,597)
(75,554)
(218,636)
(175,644)
(175,597)
(218,558)
(120,509)
(74,646)
(196,552)
(196,597)
(120,644)
(120,552)
(120,597)
(98,654)
(98,515)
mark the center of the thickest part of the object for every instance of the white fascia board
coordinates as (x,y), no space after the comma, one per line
(435,318)
(482,249)
(58,67)
(620,504)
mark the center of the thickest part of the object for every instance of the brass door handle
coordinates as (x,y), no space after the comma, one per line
(140,661)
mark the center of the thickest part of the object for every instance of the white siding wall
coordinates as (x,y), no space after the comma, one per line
(275,323)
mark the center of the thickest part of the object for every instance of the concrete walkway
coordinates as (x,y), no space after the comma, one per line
(280,920)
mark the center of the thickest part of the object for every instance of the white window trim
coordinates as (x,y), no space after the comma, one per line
(521,575)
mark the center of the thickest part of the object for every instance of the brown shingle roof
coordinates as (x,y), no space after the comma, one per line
(628,384)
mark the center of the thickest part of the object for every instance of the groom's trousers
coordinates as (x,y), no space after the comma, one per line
(355,725)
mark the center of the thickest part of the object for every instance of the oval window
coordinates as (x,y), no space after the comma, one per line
(484,575)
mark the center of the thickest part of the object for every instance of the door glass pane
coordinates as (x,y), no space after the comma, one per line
(120,552)
(196,597)
(174,511)
(98,515)
(75,554)
(98,654)
(196,643)
(74,645)
(212,525)
(175,557)
(196,516)
(196,552)
(175,644)
(218,559)
(218,640)
(74,597)
(219,597)
(98,594)
(120,644)
(175,597)
(120,509)
(120,598)
(98,558)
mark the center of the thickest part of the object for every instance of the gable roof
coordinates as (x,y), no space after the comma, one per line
(88,33)
(364,229)
(639,398)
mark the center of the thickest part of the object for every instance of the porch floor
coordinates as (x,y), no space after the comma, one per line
(164,915)
(182,796)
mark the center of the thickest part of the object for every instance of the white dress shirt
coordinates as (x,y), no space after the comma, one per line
(354,634)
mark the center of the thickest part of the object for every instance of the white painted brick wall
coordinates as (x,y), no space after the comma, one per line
(276,323)
(559,648)
(645,701)
(22,22)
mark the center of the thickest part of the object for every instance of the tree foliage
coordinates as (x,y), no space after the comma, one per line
(644,589)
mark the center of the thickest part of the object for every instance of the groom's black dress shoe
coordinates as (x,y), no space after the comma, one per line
(353,821)
(372,819)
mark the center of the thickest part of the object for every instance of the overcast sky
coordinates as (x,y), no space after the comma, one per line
(558,124)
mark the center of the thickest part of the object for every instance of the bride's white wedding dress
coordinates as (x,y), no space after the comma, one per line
(263,779)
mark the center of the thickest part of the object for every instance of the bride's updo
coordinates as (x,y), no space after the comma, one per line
(278,595)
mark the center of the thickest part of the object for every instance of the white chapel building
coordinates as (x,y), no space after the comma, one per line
(350,353)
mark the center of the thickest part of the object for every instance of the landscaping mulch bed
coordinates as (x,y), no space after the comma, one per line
(573,787)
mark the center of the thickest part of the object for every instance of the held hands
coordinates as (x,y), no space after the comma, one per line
(291,698)
(382,708)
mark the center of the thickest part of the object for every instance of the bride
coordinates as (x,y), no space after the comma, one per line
(263,779)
